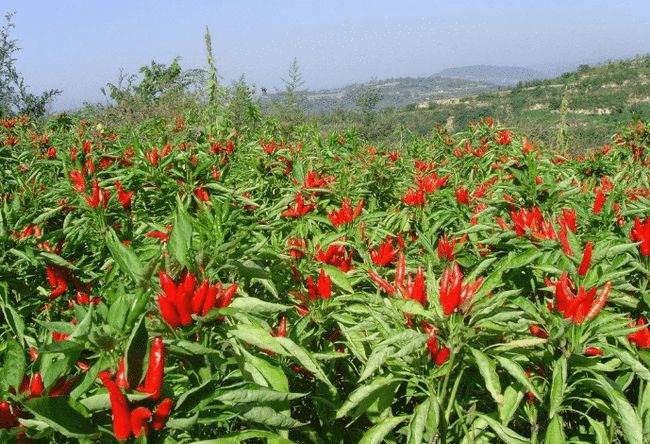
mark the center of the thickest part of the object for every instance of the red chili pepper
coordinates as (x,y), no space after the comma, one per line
(226,296)
(282,328)
(211,299)
(184,295)
(168,311)
(593,351)
(199,297)
(36,385)
(599,302)
(155,372)
(536,330)
(8,418)
(139,418)
(381,282)
(586,259)
(120,377)
(168,286)
(119,408)
(161,414)
(400,272)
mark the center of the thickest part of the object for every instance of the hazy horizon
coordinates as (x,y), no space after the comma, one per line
(80,46)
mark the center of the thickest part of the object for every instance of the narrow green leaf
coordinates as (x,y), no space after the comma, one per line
(63,415)
(124,257)
(487,368)
(377,433)
(558,386)
(136,350)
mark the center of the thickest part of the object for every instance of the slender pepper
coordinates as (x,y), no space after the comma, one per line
(120,377)
(184,299)
(119,408)
(599,302)
(211,298)
(139,418)
(168,286)
(154,378)
(381,282)
(161,414)
(199,297)
(400,271)
(586,259)
(36,385)
(168,311)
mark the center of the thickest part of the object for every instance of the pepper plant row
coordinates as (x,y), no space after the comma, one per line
(188,281)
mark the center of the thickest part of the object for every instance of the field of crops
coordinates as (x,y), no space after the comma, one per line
(186,281)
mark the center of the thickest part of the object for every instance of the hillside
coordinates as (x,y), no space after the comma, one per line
(395,92)
(599,100)
(497,75)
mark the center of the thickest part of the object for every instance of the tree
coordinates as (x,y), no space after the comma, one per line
(241,105)
(366,99)
(14,94)
(290,108)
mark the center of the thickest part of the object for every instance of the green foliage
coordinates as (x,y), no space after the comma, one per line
(14,95)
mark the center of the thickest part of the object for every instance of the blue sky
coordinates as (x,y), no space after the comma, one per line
(79,46)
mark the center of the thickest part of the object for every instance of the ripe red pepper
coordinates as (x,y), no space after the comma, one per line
(161,414)
(381,282)
(8,418)
(155,372)
(211,298)
(184,295)
(400,272)
(199,297)
(36,385)
(282,328)
(599,302)
(119,408)
(593,351)
(168,311)
(586,260)
(120,377)
(139,418)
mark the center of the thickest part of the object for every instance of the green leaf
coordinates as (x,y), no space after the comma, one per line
(267,416)
(487,368)
(504,433)
(555,432)
(247,435)
(305,359)
(12,317)
(15,363)
(377,433)
(339,278)
(136,350)
(63,415)
(517,261)
(518,373)
(255,394)
(257,306)
(366,393)
(180,239)
(511,400)
(558,386)
(418,422)
(124,257)
(271,374)
(258,337)
(630,422)
(636,366)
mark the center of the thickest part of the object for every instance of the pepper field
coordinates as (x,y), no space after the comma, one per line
(186,281)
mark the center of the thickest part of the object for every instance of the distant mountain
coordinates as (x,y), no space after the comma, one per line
(497,75)
(396,92)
